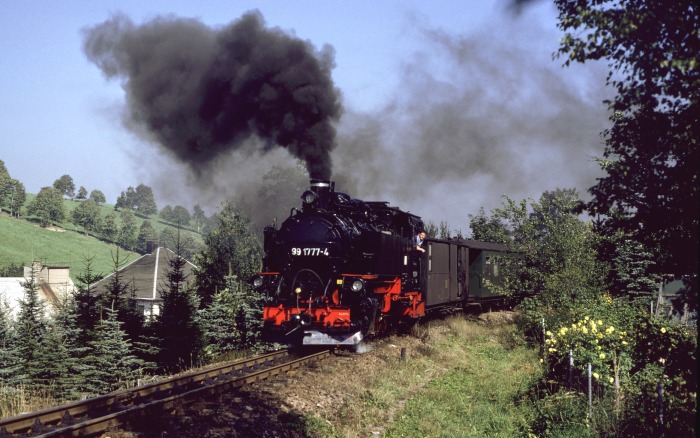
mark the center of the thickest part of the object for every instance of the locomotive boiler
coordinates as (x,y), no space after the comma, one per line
(339,269)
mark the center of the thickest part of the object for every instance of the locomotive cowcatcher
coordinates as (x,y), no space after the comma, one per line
(341,269)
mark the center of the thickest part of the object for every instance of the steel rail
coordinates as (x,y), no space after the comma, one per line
(96,415)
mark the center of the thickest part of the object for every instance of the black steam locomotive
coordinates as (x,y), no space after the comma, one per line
(340,269)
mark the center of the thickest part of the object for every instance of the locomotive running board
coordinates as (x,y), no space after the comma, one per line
(312,337)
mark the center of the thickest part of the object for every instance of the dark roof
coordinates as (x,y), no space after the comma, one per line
(147,275)
(474,244)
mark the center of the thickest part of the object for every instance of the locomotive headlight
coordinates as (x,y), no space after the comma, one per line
(257,282)
(308,197)
(357,285)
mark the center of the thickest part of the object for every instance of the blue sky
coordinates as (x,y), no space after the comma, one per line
(59,115)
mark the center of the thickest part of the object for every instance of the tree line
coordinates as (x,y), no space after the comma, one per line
(119,226)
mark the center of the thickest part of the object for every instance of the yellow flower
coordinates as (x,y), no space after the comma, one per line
(584,330)
(548,333)
(610,329)
(601,355)
(600,322)
(600,336)
(552,350)
(541,360)
(573,326)
(611,379)
(595,375)
(586,318)
(624,342)
(663,329)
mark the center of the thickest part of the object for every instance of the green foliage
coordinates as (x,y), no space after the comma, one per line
(126,236)
(246,307)
(556,251)
(65,186)
(13,195)
(218,326)
(487,229)
(48,206)
(110,363)
(140,200)
(82,193)
(98,196)
(230,249)
(31,326)
(440,231)
(9,360)
(110,229)
(632,267)
(146,234)
(650,190)
(177,326)
(87,215)
(624,344)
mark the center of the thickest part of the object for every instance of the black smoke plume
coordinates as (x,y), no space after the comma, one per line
(200,92)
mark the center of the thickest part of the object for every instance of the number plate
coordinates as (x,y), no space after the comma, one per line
(313,252)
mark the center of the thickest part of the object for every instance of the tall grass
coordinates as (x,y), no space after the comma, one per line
(18,400)
(465,379)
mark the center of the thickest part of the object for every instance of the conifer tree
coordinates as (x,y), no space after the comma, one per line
(177,326)
(87,301)
(72,338)
(111,365)
(9,361)
(218,326)
(247,311)
(31,325)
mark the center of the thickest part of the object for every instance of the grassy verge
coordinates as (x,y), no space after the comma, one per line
(464,379)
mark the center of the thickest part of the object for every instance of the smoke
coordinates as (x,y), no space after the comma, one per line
(477,116)
(201,93)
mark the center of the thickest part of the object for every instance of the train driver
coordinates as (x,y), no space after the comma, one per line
(419,240)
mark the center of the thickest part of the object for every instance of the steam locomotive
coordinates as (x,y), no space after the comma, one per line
(340,269)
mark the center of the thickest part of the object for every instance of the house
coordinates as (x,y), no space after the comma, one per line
(146,277)
(53,284)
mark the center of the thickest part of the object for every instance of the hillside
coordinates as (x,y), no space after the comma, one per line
(22,242)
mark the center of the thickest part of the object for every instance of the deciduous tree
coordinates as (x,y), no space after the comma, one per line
(146,234)
(48,206)
(650,190)
(87,215)
(98,196)
(65,185)
(82,193)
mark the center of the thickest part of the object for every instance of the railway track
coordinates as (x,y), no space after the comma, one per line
(114,411)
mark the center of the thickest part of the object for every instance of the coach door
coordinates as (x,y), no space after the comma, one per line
(462,272)
(438,284)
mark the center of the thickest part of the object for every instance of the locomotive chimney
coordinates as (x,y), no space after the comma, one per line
(323,190)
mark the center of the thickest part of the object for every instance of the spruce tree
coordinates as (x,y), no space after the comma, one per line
(9,361)
(177,326)
(72,338)
(218,326)
(31,325)
(111,364)
(87,301)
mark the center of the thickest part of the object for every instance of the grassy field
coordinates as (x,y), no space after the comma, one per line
(22,242)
